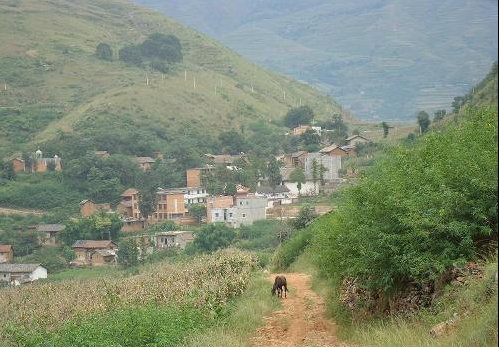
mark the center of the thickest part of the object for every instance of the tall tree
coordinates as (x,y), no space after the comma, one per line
(386,129)
(439,115)
(424,122)
(315,172)
(128,253)
(298,176)
(274,173)
(302,115)
(104,51)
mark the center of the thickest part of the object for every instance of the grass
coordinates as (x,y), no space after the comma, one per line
(102,272)
(476,305)
(243,316)
(55,41)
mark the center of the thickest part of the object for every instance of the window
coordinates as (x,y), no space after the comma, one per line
(241,203)
(244,215)
(231,215)
(217,215)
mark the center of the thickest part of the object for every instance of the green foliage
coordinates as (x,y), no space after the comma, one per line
(98,227)
(211,238)
(338,129)
(50,257)
(298,175)
(233,142)
(126,327)
(306,216)
(290,250)
(311,140)
(420,210)
(166,47)
(262,235)
(424,121)
(302,115)
(386,129)
(103,51)
(198,211)
(128,253)
(23,243)
(439,115)
(131,54)
(274,172)
(160,66)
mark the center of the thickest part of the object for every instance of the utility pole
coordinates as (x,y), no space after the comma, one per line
(185,72)
(4,85)
(147,79)
(194,82)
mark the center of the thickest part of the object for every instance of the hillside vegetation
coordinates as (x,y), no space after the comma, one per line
(381,58)
(54,86)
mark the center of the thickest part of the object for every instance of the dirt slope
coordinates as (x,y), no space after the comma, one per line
(301,322)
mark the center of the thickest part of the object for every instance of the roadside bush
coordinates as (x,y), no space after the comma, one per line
(289,251)
(419,210)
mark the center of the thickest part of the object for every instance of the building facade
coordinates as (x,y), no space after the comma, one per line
(17,274)
(6,253)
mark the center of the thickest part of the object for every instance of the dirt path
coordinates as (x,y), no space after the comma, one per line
(301,322)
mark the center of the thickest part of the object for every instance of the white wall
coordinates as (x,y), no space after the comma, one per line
(39,273)
(307,188)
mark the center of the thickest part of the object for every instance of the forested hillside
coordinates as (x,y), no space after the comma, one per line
(380,58)
(56,85)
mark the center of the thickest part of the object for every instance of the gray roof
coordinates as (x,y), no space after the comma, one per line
(94,244)
(18,268)
(50,228)
(272,190)
(356,136)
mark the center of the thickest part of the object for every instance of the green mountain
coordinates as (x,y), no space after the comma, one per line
(53,86)
(380,58)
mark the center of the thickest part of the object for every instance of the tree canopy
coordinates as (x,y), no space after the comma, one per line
(302,115)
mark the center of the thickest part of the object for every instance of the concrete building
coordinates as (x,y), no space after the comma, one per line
(17,274)
(331,164)
(173,239)
(195,195)
(280,195)
(170,206)
(245,210)
(6,253)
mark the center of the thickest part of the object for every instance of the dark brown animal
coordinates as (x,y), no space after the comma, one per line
(280,286)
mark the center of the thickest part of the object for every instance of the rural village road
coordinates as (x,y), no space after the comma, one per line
(301,322)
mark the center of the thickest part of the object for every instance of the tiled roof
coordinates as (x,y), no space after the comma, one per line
(272,190)
(5,248)
(50,228)
(93,244)
(355,136)
(330,148)
(18,268)
(298,154)
(130,192)
(145,160)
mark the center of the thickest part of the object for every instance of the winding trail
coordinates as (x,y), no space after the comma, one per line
(301,322)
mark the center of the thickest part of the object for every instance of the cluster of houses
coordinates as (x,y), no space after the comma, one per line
(17,274)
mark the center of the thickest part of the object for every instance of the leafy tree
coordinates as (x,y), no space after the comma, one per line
(233,142)
(298,176)
(338,129)
(416,215)
(424,122)
(24,243)
(104,52)
(295,117)
(315,172)
(311,140)
(198,211)
(128,253)
(131,54)
(306,215)
(98,227)
(162,46)
(439,115)
(68,254)
(213,237)
(51,166)
(230,189)
(7,171)
(274,173)
(49,257)
(386,129)
(459,101)
(160,66)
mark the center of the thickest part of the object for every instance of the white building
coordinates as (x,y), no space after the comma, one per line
(245,211)
(17,274)
(275,195)
(195,195)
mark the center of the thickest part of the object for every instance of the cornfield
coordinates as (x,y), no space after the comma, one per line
(207,282)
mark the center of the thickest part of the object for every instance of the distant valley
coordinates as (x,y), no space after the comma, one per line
(382,59)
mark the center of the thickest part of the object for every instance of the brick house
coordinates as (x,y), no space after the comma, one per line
(129,204)
(243,210)
(171,205)
(19,165)
(89,208)
(295,160)
(6,253)
(95,253)
(48,233)
(356,139)
(334,150)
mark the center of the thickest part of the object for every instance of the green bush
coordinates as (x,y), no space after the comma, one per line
(125,327)
(289,251)
(418,211)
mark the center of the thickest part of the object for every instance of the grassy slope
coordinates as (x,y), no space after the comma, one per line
(54,81)
(405,55)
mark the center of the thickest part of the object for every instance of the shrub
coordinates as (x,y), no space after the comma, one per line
(104,52)
(419,211)
(131,54)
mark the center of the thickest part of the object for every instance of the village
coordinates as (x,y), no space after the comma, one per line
(303,175)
